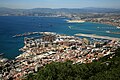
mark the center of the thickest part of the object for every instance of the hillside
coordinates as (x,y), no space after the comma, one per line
(106,68)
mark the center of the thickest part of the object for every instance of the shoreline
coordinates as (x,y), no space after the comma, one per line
(83,23)
(53,47)
(118,27)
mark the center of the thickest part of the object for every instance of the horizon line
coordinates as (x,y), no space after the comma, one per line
(60,8)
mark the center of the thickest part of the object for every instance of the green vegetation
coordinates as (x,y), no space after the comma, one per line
(105,69)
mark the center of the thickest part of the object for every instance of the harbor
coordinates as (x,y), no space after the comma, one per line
(14,39)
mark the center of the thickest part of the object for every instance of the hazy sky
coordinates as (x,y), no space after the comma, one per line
(59,3)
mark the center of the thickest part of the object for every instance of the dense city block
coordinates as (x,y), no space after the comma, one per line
(52,47)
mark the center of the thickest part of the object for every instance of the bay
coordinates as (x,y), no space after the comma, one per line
(12,25)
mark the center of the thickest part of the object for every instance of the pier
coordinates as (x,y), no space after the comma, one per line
(96,36)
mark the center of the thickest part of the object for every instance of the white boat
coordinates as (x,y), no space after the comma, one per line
(118,27)
(107,31)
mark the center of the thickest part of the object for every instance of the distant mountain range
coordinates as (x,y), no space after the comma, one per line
(10,11)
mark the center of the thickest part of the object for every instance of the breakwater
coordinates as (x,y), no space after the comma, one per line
(97,36)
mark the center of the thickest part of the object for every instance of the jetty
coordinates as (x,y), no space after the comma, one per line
(32,33)
(97,36)
(26,34)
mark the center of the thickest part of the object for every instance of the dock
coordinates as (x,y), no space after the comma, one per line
(97,36)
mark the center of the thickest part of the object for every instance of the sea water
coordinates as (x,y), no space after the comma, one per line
(12,25)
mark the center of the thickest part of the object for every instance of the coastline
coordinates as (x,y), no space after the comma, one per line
(16,40)
(53,47)
(104,24)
